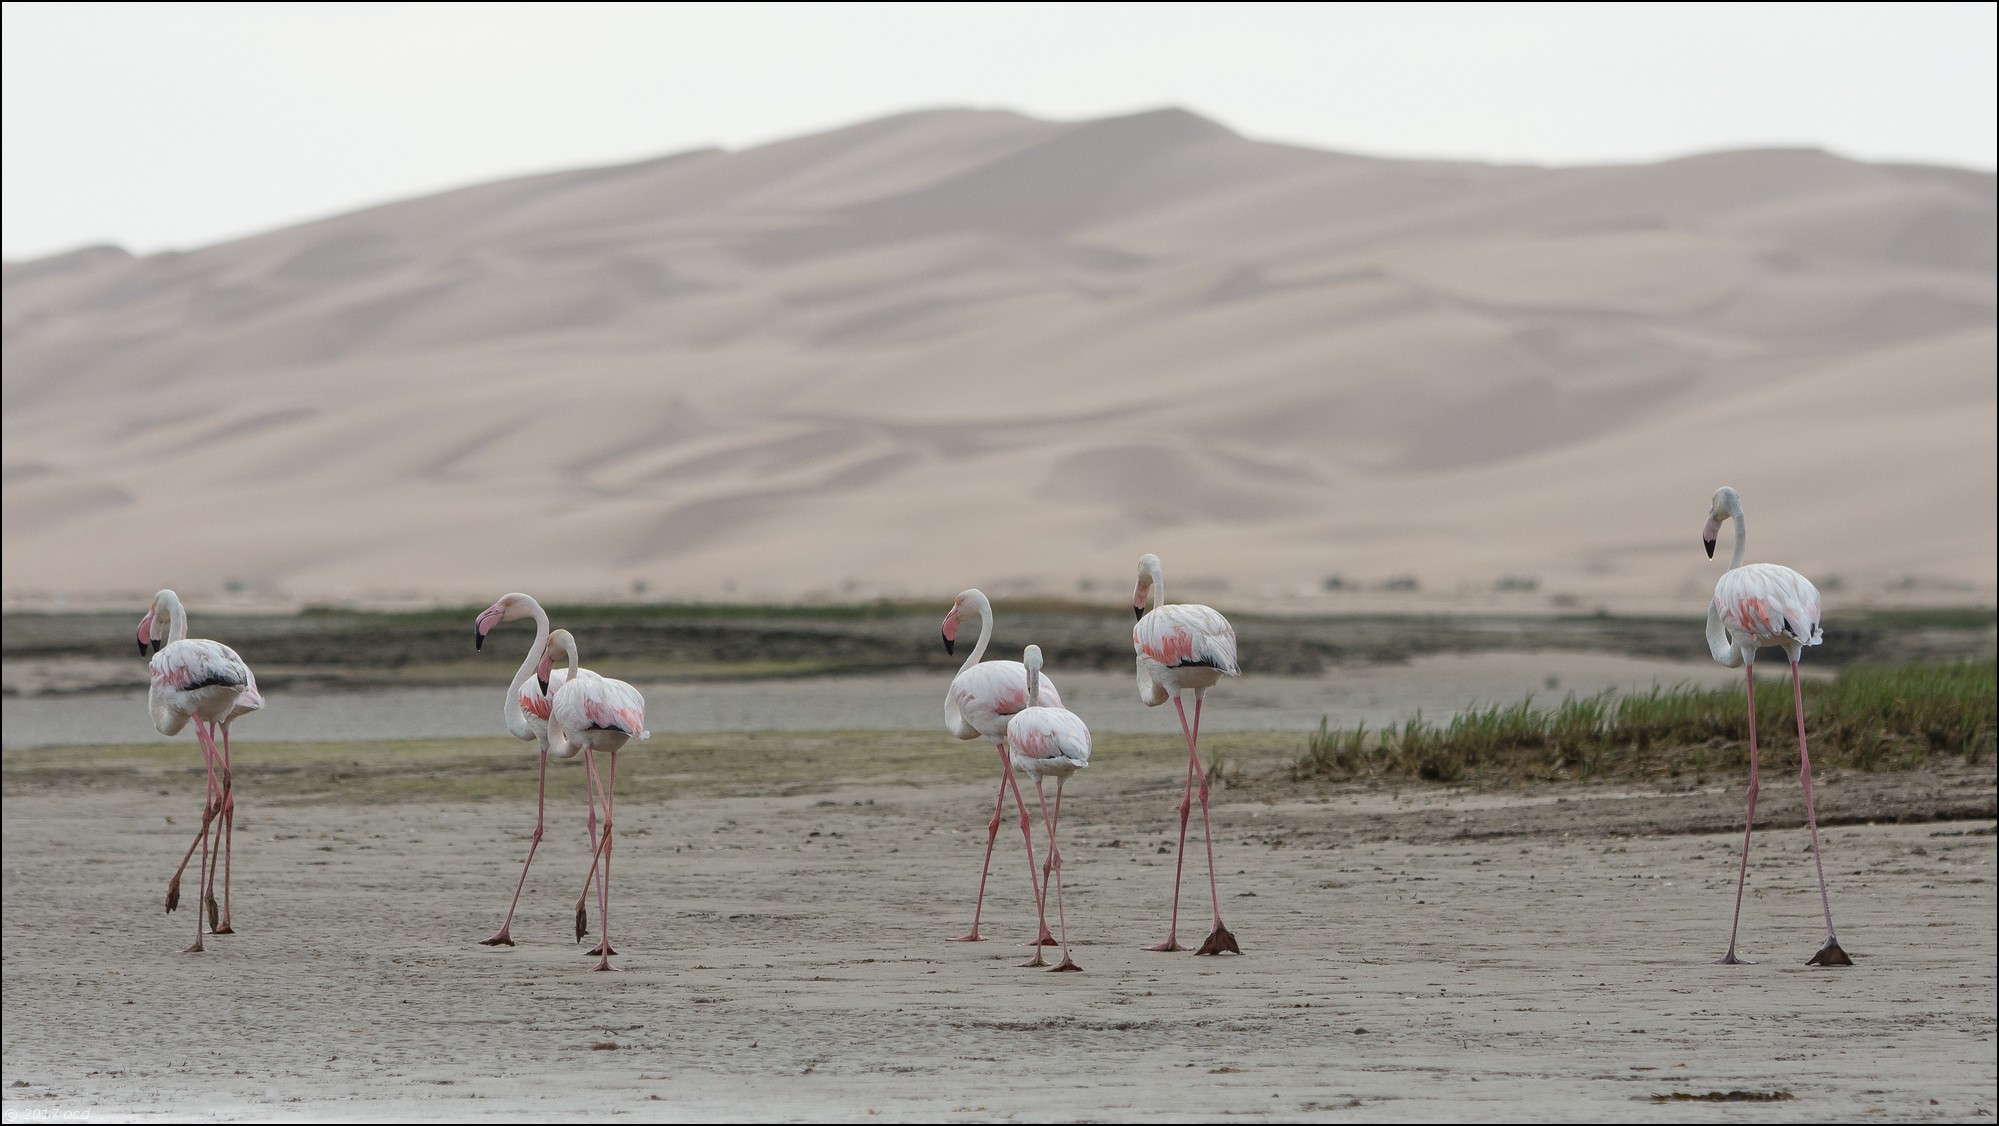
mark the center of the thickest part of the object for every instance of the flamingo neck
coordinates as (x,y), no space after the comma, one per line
(984,609)
(176,620)
(1741,533)
(516,719)
(1034,686)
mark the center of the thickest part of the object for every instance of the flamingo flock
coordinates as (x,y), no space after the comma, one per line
(569,712)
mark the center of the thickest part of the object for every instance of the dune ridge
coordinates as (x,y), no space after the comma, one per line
(956,346)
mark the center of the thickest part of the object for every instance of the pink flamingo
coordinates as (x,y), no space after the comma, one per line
(526,712)
(980,701)
(1047,742)
(203,682)
(596,715)
(1183,646)
(1757,606)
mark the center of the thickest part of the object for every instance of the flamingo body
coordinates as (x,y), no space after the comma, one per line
(593,715)
(196,679)
(1761,605)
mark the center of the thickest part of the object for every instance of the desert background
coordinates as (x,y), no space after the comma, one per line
(1415,340)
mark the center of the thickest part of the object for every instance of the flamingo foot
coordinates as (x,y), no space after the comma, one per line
(1046,939)
(582,922)
(972,935)
(197,948)
(1731,959)
(501,937)
(598,951)
(1830,955)
(1168,947)
(224,928)
(605,966)
(214,914)
(1219,941)
(173,895)
(1034,961)
(1068,966)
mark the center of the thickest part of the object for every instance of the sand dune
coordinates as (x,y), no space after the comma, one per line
(962,347)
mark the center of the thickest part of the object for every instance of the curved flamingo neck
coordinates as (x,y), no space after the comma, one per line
(1034,684)
(517,719)
(176,618)
(1158,599)
(984,609)
(1741,532)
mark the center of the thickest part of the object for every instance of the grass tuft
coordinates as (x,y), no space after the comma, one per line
(1866,719)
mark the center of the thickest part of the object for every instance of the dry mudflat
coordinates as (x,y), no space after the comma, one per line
(782,900)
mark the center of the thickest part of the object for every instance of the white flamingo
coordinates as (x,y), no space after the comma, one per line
(1048,742)
(1180,647)
(1758,606)
(981,699)
(596,715)
(525,710)
(203,682)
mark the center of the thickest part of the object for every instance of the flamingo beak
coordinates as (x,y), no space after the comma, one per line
(1138,597)
(542,670)
(950,647)
(482,624)
(950,631)
(145,632)
(1709,532)
(158,645)
(1709,544)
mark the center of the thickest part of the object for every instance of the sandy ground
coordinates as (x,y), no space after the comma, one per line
(1413,956)
(1371,694)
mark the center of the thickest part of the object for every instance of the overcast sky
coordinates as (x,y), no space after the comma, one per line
(180,125)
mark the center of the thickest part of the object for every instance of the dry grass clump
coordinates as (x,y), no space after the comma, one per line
(1866,719)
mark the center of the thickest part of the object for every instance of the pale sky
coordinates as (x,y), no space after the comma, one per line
(175,126)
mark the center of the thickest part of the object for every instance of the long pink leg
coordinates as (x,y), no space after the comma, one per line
(228,834)
(1219,939)
(1046,938)
(985,866)
(592,786)
(208,811)
(1830,954)
(604,889)
(1052,867)
(1742,874)
(504,936)
(200,911)
(1171,945)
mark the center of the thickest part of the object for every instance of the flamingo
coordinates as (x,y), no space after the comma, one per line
(1757,606)
(203,682)
(595,715)
(525,710)
(980,701)
(1047,742)
(1183,646)
(251,700)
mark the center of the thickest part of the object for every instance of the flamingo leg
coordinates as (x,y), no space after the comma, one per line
(1040,909)
(604,888)
(592,786)
(207,817)
(992,834)
(1742,873)
(1052,867)
(1171,945)
(1830,954)
(504,936)
(228,834)
(1219,939)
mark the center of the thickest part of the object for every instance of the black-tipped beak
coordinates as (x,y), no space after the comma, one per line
(158,644)
(1137,612)
(543,681)
(948,645)
(1710,548)
(479,638)
(142,649)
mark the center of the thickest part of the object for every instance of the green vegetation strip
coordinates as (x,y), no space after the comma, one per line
(1865,719)
(719,764)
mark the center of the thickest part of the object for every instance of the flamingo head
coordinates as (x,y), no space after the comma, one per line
(507,609)
(1726,502)
(1031,657)
(561,640)
(146,635)
(1148,574)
